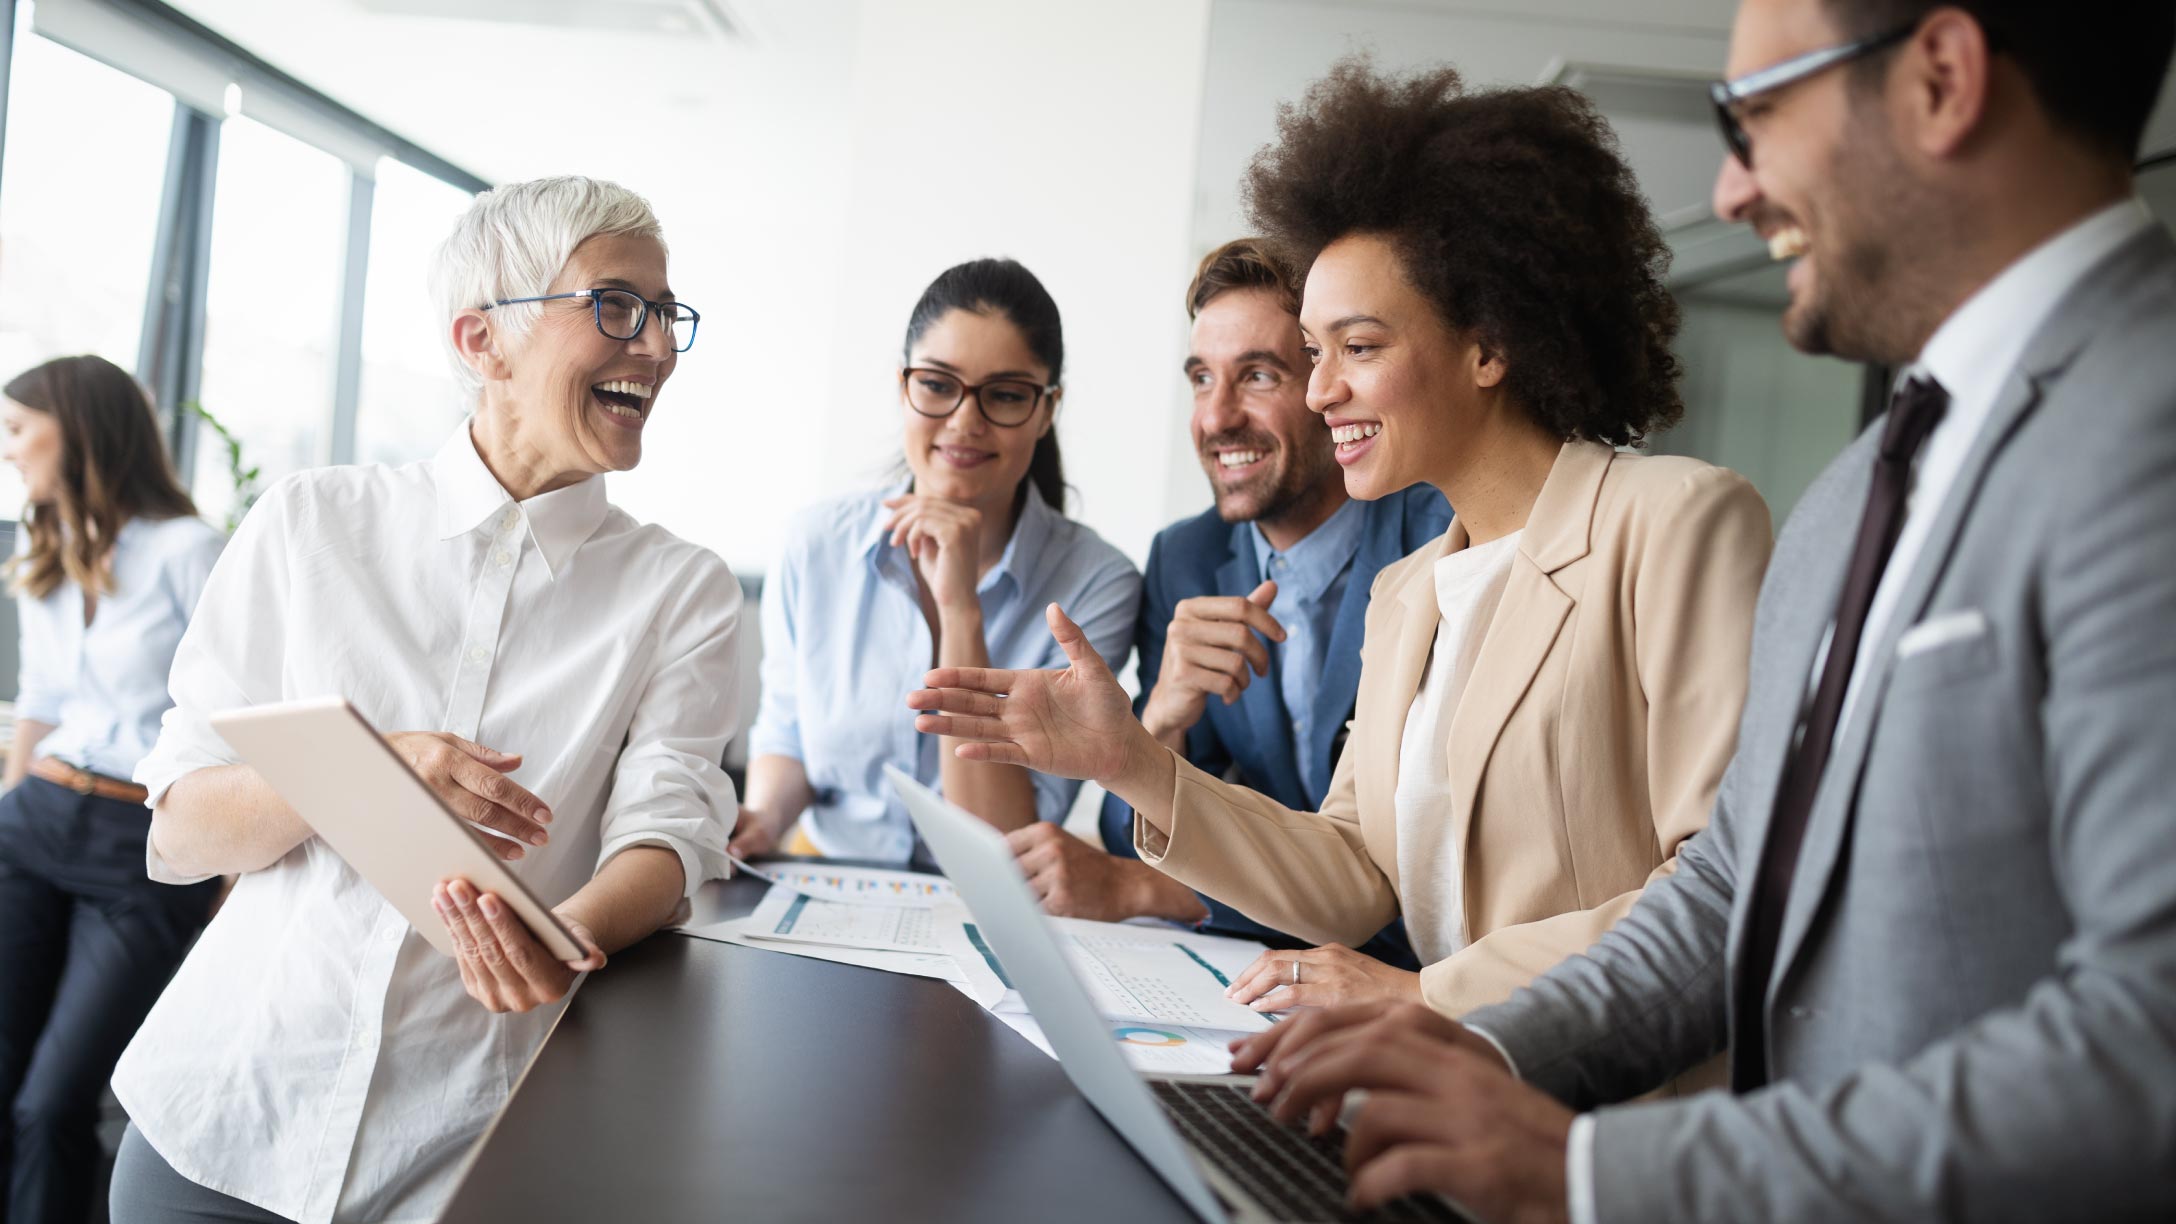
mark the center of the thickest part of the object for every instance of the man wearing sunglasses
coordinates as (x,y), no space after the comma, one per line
(1933,917)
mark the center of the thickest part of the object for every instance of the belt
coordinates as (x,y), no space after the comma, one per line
(83,782)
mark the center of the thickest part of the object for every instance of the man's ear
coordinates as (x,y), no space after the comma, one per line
(478,344)
(1944,77)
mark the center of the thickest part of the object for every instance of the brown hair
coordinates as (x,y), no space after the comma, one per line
(113,467)
(1242,263)
(1511,211)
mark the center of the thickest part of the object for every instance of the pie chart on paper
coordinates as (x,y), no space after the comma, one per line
(1159,1038)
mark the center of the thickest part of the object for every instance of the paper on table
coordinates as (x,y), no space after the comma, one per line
(860,885)
(919,964)
(1150,973)
(1168,1049)
(797,917)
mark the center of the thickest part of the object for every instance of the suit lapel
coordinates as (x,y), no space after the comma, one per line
(1261,706)
(1332,703)
(1524,627)
(1387,688)
(1828,828)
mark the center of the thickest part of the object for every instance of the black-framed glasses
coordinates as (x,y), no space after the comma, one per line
(1004,401)
(1728,96)
(621,314)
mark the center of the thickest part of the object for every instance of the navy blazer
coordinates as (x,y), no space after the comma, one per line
(1250,741)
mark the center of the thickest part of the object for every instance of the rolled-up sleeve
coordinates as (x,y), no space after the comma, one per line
(1106,609)
(778,711)
(39,683)
(670,788)
(229,657)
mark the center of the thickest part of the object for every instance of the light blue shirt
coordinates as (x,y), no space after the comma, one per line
(845,641)
(102,686)
(1310,578)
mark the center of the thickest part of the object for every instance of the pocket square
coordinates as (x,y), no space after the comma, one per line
(1943,630)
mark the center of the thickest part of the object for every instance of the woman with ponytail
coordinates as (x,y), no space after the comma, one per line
(950,567)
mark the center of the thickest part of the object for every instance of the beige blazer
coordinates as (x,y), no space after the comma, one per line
(1600,712)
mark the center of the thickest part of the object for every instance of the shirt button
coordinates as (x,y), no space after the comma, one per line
(507,520)
(478,655)
(503,558)
(392,935)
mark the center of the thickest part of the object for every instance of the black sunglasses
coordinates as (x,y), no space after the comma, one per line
(1729,95)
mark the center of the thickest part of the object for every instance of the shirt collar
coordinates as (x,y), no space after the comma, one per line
(469,497)
(1029,531)
(1974,350)
(1312,564)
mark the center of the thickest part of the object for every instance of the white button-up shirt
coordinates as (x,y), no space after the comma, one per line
(600,649)
(102,686)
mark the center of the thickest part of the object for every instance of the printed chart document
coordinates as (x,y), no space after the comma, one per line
(1154,973)
(793,917)
(932,965)
(860,885)
(1162,1049)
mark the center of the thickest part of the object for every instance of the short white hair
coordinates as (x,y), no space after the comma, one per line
(513,241)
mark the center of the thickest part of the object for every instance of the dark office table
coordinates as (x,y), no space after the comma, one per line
(692,1080)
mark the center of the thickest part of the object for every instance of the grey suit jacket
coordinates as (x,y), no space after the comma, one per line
(1973,1013)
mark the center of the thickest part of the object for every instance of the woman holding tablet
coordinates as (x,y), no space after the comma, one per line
(950,566)
(559,673)
(110,566)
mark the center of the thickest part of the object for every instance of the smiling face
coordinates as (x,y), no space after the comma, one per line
(1829,191)
(1397,387)
(963,457)
(574,399)
(31,441)
(1265,454)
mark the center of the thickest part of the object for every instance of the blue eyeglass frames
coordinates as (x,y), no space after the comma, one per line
(1729,95)
(621,314)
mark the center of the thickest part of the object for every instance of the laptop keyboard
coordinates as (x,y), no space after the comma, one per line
(1297,1176)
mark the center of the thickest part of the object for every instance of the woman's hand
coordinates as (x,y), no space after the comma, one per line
(471,780)
(502,964)
(1074,723)
(755,833)
(945,540)
(1329,976)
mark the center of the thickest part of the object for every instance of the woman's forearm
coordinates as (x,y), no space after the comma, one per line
(24,749)
(1003,795)
(635,894)
(225,820)
(778,790)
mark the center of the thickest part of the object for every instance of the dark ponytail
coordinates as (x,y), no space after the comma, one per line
(1004,287)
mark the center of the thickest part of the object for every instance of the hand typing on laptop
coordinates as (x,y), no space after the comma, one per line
(1443,1112)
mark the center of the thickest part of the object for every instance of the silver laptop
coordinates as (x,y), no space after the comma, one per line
(1221,1153)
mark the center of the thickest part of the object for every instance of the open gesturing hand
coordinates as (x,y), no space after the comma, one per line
(1074,723)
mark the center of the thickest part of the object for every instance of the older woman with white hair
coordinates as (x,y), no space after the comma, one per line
(556,671)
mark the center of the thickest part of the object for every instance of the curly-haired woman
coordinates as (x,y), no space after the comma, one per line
(1549,693)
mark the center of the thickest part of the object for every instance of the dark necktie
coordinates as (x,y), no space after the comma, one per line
(1913,414)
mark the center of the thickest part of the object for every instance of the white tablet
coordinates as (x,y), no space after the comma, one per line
(349,786)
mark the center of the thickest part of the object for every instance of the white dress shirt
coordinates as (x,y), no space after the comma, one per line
(1469,585)
(1974,355)
(600,649)
(102,686)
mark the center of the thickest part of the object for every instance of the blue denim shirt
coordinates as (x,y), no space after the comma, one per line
(845,641)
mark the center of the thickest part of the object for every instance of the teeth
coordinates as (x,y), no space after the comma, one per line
(1787,243)
(1344,434)
(632,414)
(1232,459)
(624,387)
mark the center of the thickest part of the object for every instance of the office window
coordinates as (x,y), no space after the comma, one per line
(272,308)
(79,205)
(407,402)
(1753,403)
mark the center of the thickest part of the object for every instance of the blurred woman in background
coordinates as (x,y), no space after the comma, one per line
(951,567)
(108,569)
